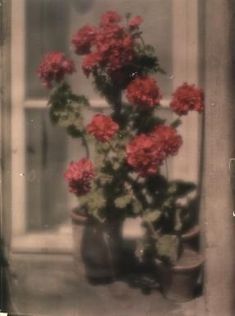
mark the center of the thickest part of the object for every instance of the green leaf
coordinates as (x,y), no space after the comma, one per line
(178,221)
(176,123)
(123,201)
(167,247)
(152,216)
(95,201)
(181,188)
(137,207)
(105,178)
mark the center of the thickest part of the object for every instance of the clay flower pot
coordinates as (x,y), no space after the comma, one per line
(97,247)
(190,237)
(178,282)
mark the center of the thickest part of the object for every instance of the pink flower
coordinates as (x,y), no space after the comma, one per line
(145,154)
(54,67)
(90,63)
(102,127)
(84,39)
(135,22)
(110,17)
(143,92)
(79,176)
(187,98)
(169,138)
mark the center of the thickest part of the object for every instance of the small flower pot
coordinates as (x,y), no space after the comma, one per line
(178,282)
(97,247)
(190,238)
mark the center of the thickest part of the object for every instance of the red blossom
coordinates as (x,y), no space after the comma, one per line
(144,92)
(116,47)
(79,176)
(102,127)
(145,154)
(187,98)
(90,63)
(169,138)
(84,39)
(110,17)
(54,67)
(135,22)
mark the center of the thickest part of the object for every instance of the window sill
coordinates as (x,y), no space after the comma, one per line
(43,242)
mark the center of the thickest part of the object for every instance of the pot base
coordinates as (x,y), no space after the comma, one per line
(179,282)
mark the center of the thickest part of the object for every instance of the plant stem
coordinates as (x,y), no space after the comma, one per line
(117,103)
(85,144)
(167,170)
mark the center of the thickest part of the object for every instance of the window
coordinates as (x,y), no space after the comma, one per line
(40,152)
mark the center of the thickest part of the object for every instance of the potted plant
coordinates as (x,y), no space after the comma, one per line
(132,142)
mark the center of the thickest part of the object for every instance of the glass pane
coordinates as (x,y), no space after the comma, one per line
(46,30)
(46,154)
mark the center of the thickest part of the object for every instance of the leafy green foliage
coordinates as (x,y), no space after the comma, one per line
(167,248)
(180,188)
(123,201)
(66,109)
(152,216)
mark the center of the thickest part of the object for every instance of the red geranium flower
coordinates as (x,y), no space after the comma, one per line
(135,22)
(79,176)
(84,39)
(54,67)
(145,154)
(169,138)
(110,17)
(186,98)
(102,127)
(116,47)
(90,63)
(144,92)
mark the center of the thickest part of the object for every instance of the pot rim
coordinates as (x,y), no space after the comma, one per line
(179,267)
(78,219)
(191,233)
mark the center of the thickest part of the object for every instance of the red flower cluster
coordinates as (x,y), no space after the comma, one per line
(110,46)
(116,46)
(169,138)
(84,39)
(54,67)
(90,63)
(145,154)
(110,17)
(186,98)
(102,127)
(135,22)
(79,176)
(144,92)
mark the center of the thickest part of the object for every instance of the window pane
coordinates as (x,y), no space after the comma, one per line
(46,154)
(46,30)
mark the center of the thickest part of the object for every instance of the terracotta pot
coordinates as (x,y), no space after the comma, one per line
(97,247)
(178,282)
(193,232)
(190,238)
